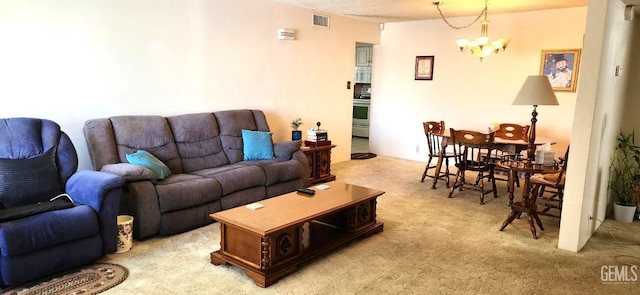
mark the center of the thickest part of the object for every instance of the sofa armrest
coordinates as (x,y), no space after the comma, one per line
(301,157)
(130,172)
(285,149)
(101,191)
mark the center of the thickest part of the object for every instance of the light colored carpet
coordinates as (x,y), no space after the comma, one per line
(430,245)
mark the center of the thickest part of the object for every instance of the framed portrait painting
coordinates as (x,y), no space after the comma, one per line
(424,68)
(561,67)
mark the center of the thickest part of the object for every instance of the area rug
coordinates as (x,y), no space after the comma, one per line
(92,279)
(362,156)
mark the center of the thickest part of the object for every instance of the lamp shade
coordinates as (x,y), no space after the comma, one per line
(536,90)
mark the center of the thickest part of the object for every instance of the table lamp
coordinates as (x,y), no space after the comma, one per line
(535,91)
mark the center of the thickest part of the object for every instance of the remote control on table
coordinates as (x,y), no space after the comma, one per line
(307,191)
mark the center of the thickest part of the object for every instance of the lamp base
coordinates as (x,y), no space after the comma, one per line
(531,146)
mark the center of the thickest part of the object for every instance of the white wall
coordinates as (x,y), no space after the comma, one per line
(607,104)
(72,60)
(465,92)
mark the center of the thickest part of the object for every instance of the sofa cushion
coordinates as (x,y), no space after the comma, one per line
(47,229)
(243,197)
(181,191)
(258,145)
(235,177)
(183,220)
(277,171)
(198,139)
(231,124)
(146,159)
(25,138)
(149,133)
(29,181)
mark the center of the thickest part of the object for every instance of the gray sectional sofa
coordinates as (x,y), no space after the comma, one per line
(205,154)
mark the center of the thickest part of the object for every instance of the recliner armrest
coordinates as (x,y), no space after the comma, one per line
(91,187)
(100,191)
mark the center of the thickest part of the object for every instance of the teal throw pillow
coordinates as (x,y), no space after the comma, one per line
(148,160)
(257,145)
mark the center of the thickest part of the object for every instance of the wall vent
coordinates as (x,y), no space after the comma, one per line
(320,21)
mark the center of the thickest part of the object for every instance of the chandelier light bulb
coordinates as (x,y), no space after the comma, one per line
(487,50)
(496,46)
(504,42)
(462,44)
(482,41)
(481,46)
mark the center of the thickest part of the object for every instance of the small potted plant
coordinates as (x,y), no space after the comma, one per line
(296,134)
(624,177)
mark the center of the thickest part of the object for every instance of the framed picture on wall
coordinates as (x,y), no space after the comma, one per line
(424,68)
(561,67)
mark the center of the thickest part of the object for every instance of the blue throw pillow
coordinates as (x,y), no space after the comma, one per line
(257,145)
(148,160)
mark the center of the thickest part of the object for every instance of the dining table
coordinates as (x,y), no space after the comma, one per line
(513,146)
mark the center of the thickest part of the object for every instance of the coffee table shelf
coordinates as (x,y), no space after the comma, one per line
(269,243)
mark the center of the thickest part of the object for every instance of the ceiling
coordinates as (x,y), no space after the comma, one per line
(385,11)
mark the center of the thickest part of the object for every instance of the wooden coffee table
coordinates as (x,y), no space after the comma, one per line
(269,243)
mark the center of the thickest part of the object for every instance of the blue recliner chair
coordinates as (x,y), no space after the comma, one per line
(39,237)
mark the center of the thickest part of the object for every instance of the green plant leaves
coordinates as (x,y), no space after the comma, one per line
(624,177)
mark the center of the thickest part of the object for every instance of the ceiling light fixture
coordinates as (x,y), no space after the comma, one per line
(480,46)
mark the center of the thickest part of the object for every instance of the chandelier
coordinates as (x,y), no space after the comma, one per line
(480,46)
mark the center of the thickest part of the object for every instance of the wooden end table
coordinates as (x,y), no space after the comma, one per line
(527,205)
(320,163)
(270,242)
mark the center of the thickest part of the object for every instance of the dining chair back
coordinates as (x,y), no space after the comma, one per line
(513,131)
(437,145)
(547,190)
(473,152)
(509,131)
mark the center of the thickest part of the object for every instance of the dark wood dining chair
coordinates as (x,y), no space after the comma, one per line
(509,131)
(434,130)
(547,190)
(473,152)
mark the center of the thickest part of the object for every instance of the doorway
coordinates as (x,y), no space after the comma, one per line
(361,98)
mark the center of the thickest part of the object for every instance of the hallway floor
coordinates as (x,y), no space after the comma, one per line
(359,145)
